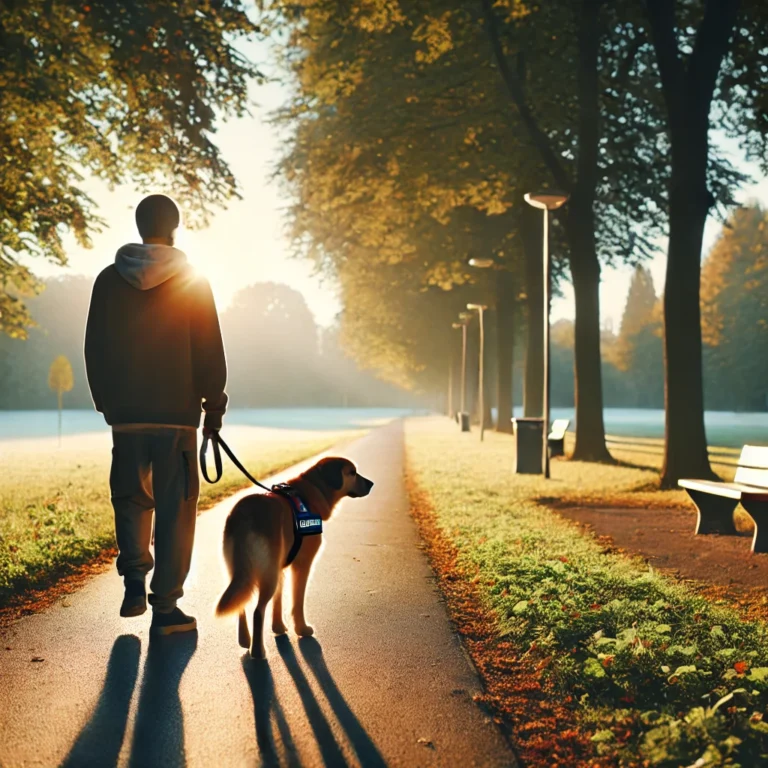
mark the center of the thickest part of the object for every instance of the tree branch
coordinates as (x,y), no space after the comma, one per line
(513,83)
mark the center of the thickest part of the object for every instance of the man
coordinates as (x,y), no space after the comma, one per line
(155,360)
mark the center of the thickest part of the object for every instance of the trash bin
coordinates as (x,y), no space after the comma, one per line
(464,421)
(529,434)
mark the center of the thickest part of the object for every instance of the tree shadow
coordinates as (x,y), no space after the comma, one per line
(101,739)
(326,741)
(261,683)
(366,750)
(158,738)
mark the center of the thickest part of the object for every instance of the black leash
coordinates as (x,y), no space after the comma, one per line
(301,528)
(215,438)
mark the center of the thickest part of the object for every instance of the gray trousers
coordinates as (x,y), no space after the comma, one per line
(154,469)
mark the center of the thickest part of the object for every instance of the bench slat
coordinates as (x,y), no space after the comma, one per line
(755,456)
(559,428)
(729,490)
(751,476)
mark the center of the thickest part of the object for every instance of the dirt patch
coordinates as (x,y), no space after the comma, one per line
(665,539)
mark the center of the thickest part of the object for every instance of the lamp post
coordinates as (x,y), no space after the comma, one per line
(480,309)
(451,411)
(465,317)
(546,201)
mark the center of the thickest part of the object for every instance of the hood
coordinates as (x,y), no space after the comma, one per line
(146,266)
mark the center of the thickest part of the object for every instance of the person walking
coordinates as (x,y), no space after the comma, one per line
(155,362)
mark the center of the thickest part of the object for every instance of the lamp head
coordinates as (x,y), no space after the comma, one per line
(465,316)
(548,199)
(482,263)
(457,325)
(479,307)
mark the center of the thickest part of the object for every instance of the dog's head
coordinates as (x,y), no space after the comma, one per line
(341,478)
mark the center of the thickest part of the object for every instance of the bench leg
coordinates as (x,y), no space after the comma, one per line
(556,448)
(758,511)
(715,513)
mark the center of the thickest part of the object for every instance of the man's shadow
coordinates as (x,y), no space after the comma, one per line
(262,685)
(101,739)
(158,738)
(366,750)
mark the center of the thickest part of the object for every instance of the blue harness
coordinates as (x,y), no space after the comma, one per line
(305,523)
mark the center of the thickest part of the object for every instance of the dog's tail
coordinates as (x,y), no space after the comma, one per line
(235,596)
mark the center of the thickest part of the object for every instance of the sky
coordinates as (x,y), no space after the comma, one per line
(246,243)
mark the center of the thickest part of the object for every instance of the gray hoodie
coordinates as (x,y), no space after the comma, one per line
(147,265)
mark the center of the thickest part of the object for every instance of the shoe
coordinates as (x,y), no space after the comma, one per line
(135,599)
(169,623)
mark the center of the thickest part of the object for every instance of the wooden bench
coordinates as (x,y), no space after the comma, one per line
(556,438)
(715,501)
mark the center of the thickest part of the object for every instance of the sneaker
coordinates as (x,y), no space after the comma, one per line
(135,599)
(168,623)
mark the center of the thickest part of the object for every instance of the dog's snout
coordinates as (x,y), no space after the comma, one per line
(364,485)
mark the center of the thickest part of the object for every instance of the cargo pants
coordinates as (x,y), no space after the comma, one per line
(154,469)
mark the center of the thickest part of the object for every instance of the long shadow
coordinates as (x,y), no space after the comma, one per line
(259,677)
(329,748)
(364,747)
(101,739)
(158,738)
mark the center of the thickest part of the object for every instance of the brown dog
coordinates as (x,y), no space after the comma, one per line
(258,537)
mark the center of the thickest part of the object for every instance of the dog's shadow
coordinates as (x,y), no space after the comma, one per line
(100,740)
(366,750)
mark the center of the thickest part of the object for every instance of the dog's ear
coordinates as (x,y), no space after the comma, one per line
(332,474)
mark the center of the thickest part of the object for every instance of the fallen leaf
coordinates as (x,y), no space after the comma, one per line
(38,658)
(741,667)
(425,742)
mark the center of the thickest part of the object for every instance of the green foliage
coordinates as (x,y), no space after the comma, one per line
(122,92)
(637,653)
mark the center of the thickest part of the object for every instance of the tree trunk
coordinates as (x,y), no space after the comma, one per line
(588,385)
(688,88)
(533,390)
(505,340)
(585,267)
(685,453)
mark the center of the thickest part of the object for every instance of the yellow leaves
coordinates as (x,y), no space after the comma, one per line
(411,99)
(377,15)
(435,33)
(60,378)
(515,9)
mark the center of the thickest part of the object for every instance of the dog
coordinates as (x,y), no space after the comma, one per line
(258,537)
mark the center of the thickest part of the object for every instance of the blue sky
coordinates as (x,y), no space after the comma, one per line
(246,243)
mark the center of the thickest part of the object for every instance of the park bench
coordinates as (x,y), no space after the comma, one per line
(716,501)
(556,437)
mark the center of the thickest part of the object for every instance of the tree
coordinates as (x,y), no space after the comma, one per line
(638,315)
(60,380)
(120,91)
(734,303)
(692,42)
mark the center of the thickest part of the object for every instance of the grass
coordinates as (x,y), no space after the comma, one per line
(646,671)
(55,512)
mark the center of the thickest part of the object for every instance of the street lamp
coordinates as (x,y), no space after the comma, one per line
(481,308)
(546,201)
(451,411)
(465,317)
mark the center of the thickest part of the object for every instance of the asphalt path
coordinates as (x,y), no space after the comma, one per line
(384,681)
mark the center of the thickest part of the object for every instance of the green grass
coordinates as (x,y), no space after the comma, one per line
(658,675)
(55,512)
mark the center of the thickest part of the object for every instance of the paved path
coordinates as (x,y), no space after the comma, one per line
(383,671)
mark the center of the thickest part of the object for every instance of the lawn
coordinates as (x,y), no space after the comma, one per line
(589,657)
(55,512)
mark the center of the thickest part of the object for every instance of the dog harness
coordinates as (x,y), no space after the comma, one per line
(305,523)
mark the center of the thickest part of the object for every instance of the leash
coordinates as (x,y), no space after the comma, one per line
(215,438)
(304,522)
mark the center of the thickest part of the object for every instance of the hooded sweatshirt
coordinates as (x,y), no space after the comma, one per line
(153,347)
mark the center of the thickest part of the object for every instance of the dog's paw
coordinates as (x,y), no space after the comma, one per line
(259,653)
(305,631)
(279,629)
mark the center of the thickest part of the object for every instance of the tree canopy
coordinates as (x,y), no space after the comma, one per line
(123,92)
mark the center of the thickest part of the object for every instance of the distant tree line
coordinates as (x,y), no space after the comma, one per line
(734,309)
(277,355)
